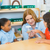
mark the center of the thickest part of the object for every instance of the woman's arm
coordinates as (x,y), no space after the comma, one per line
(24,33)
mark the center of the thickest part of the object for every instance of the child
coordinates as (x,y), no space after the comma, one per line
(46,36)
(6,34)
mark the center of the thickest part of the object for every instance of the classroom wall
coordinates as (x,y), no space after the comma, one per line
(24,2)
(27,2)
(37,3)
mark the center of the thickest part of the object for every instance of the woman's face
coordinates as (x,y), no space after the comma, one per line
(30,20)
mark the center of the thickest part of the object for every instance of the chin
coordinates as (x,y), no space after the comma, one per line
(8,30)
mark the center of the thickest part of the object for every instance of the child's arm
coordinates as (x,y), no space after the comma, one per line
(40,32)
(0,42)
(47,41)
(15,40)
(43,41)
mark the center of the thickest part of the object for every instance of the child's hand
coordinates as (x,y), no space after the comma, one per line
(15,40)
(36,31)
(40,41)
(7,43)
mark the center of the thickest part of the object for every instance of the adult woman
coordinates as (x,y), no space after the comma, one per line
(30,19)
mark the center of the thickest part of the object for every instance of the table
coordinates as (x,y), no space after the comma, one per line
(25,45)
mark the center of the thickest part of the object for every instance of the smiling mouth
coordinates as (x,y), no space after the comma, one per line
(31,22)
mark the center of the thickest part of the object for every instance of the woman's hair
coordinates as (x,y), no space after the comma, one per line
(30,12)
(46,18)
(2,22)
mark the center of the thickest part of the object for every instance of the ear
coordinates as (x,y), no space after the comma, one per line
(2,27)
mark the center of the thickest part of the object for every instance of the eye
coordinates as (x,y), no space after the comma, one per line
(31,18)
(27,19)
(9,25)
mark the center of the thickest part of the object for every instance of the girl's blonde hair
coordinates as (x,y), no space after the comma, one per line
(30,12)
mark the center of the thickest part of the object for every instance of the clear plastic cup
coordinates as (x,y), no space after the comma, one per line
(28,28)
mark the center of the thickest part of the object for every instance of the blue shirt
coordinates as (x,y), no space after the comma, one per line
(6,36)
(40,26)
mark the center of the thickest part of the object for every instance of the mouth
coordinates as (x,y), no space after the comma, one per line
(31,23)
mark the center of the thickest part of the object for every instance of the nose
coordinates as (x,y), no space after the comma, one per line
(29,20)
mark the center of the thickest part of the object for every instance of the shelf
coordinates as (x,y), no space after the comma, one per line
(17,10)
(16,23)
(20,10)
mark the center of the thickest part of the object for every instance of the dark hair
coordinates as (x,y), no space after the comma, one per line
(3,21)
(46,18)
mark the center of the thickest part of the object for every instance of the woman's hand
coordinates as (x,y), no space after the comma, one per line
(31,34)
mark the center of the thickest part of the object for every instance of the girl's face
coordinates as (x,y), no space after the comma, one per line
(30,20)
(7,26)
(45,23)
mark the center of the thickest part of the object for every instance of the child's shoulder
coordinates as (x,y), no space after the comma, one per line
(1,33)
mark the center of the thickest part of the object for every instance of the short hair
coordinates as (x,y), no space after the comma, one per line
(3,21)
(46,18)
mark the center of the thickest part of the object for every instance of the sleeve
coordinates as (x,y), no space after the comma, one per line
(13,35)
(3,38)
(41,27)
(0,39)
(25,35)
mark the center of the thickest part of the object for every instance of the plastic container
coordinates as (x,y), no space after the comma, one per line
(16,6)
(16,20)
(28,28)
(49,10)
(19,31)
(9,7)
(29,6)
(5,7)
(16,33)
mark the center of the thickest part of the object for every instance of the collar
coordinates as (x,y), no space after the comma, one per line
(37,24)
(3,31)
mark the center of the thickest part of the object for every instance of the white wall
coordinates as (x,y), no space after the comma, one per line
(5,2)
(27,2)
(24,2)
